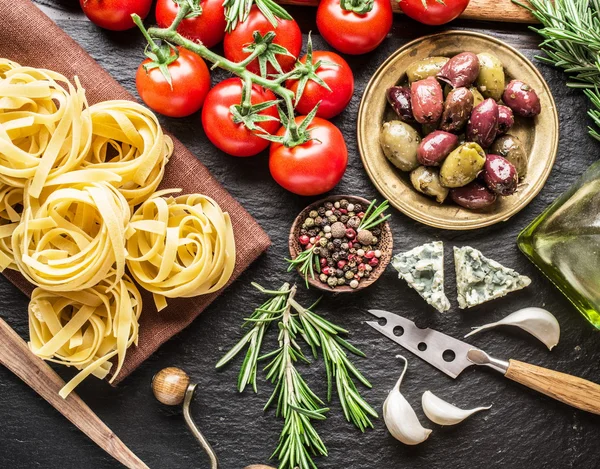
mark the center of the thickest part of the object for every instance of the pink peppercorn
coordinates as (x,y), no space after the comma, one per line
(373,262)
(350,233)
(343,210)
(341,264)
(323,262)
(326,270)
(361,266)
(361,215)
(370,254)
(304,240)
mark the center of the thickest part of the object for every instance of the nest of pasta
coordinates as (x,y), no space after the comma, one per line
(71,176)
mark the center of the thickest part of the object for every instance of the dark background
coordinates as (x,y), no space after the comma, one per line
(523,428)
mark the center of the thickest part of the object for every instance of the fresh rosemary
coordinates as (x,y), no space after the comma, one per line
(295,402)
(372,216)
(306,262)
(571,32)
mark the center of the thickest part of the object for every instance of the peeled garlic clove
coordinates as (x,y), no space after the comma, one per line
(400,418)
(443,413)
(537,321)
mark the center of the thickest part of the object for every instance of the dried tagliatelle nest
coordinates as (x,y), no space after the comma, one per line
(86,328)
(11,207)
(74,239)
(180,246)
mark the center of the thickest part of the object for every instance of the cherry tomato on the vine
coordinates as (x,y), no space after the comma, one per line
(287,32)
(313,167)
(115,14)
(209,27)
(336,73)
(218,122)
(351,32)
(190,82)
(433,12)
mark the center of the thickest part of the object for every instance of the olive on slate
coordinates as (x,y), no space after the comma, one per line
(399,99)
(435,147)
(460,70)
(511,148)
(522,99)
(428,67)
(427,181)
(457,109)
(399,142)
(500,175)
(474,196)
(462,165)
(483,124)
(491,78)
(477,96)
(506,119)
(427,100)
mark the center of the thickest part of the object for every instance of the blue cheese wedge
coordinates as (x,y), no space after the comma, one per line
(479,279)
(423,270)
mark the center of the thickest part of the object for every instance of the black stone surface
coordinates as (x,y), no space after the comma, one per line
(523,428)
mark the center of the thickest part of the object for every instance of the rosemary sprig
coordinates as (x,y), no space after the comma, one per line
(237,11)
(571,32)
(306,262)
(322,334)
(260,321)
(373,216)
(296,402)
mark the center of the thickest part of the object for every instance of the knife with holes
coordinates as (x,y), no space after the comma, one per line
(452,356)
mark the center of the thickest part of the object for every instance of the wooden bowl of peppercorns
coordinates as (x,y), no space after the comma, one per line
(349,258)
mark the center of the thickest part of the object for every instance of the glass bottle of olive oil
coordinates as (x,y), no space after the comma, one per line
(564,243)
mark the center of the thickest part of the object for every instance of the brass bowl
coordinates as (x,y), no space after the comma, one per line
(539,136)
(385,245)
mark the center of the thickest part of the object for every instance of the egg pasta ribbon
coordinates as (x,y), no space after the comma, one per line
(180,247)
(11,208)
(86,328)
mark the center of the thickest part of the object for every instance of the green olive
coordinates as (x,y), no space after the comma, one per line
(511,148)
(427,181)
(477,96)
(491,76)
(428,67)
(399,142)
(462,165)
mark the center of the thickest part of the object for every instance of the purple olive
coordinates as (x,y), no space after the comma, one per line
(483,125)
(399,99)
(522,99)
(457,109)
(500,175)
(506,119)
(474,196)
(427,100)
(434,148)
(461,70)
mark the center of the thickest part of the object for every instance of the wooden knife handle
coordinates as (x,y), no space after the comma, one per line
(576,392)
(16,356)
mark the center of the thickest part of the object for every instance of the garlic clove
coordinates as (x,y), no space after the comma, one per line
(537,321)
(443,413)
(400,418)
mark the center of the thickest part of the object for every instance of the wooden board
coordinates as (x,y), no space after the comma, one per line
(482,10)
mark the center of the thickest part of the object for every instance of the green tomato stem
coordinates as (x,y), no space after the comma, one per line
(156,50)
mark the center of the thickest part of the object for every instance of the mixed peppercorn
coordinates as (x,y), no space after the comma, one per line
(343,251)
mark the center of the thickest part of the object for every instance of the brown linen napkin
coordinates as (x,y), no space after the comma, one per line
(29,37)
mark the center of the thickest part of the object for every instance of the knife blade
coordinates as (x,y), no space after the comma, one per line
(446,353)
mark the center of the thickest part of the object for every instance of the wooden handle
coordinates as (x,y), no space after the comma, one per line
(16,356)
(576,392)
(484,10)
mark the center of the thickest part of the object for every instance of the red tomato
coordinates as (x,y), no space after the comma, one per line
(313,167)
(209,27)
(433,12)
(337,75)
(288,35)
(353,33)
(223,132)
(115,14)
(190,81)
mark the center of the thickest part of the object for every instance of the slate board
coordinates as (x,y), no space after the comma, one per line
(523,428)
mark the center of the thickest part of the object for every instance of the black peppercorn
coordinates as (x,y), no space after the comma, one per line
(337,243)
(343,254)
(344,246)
(324,252)
(337,213)
(343,203)
(321,211)
(312,232)
(331,246)
(317,251)
(358,208)
(346,268)
(324,222)
(344,218)
(328,205)
(303,231)
(335,256)
(339,273)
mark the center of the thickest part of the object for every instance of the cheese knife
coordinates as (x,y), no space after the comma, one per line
(16,356)
(452,356)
